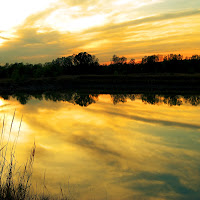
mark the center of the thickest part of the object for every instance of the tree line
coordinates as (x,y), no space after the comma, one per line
(84,63)
(85,100)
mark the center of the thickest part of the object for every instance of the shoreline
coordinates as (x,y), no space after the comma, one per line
(134,83)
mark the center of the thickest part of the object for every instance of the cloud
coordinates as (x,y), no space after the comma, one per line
(156,18)
(32,45)
(35,41)
(32,19)
(150,184)
(152,121)
(4,38)
(93,145)
(84,3)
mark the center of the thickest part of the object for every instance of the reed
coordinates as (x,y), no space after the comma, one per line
(15,184)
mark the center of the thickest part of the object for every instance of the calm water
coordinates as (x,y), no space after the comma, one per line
(110,147)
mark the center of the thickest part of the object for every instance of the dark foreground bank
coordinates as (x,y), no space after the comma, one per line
(136,83)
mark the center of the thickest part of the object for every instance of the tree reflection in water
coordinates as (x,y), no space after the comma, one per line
(84,99)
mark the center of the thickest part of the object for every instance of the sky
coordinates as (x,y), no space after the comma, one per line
(33,31)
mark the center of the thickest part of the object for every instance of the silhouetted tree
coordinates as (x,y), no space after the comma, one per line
(175,57)
(150,59)
(83,99)
(86,63)
(117,98)
(119,60)
(193,100)
(172,100)
(132,61)
(22,98)
(195,57)
(151,99)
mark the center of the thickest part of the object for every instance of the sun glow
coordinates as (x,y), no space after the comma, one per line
(15,12)
(123,27)
(64,20)
(122,2)
(1,102)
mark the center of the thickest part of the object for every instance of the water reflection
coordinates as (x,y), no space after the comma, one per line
(118,146)
(85,100)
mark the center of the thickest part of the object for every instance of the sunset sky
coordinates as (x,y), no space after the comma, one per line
(41,30)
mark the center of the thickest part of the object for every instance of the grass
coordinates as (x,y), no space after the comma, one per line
(15,184)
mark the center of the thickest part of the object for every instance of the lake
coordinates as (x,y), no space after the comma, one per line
(112,147)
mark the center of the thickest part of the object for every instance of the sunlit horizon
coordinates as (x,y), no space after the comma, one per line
(35,31)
